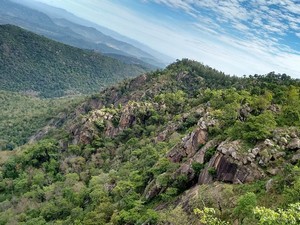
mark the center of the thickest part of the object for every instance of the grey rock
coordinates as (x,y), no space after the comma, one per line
(234,155)
(272,171)
(283,140)
(296,158)
(269,143)
(294,144)
(251,155)
(269,185)
(293,135)
(278,155)
(255,151)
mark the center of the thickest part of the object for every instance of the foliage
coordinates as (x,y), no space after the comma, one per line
(208,217)
(110,164)
(288,216)
(245,205)
(39,65)
(22,115)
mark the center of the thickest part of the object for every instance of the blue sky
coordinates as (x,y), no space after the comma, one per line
(235,36)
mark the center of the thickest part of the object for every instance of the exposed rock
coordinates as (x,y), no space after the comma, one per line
(251,155)
(187,170)
(190,144)
(225,167)
(244,112)
(283,141)
(296,157)
(265,157)
(152,190)
(268,143)
(176,154)
(255,151)
(269,185)
(199,156)
(229,148)
(274,108)
(197,138)
(273,171)
(278,155)
(182,75)
(162,136)
(293,135)
(294,144)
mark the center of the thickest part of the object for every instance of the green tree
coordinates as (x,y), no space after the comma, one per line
(245,205)
(289,216)
(208,216)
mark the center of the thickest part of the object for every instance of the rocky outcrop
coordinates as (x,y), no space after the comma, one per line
(189,146)
(192,142)
(200,155)
(152,190)
(296,157)
(294,144)
(111,121)
(170,129)
(230,165)
(244,112)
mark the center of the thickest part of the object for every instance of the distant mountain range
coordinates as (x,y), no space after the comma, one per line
(29,62)
(65,27)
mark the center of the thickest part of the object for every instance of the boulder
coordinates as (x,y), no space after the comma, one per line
(196,139)
(189,146)
(229,165)
(294,144)
(269,185)
(296,157)
(152,190)
(269,143)
(199,156)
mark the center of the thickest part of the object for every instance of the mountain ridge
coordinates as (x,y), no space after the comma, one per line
(55,12)
(30,62)
(36,21)
(162,146)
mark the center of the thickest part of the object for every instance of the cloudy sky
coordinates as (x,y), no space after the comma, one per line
(235,36)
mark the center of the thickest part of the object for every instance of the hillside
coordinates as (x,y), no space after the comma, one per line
(29,62)
(22,115)
(168,147)
(67,32)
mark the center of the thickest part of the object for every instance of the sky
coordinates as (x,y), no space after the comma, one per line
(238,37)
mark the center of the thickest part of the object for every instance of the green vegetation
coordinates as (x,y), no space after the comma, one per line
(113,163)
(22,115)
(265,216)
(33,63)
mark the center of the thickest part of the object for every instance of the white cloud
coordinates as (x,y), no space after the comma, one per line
(260,28)
(236,36)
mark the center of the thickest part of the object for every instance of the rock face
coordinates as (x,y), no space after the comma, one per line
(294,144)
(296,157)
(110,121)
(192,142)
(189,146)
(229,165)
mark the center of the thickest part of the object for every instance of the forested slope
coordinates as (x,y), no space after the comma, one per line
(22,115)
(29,62)
(186,145)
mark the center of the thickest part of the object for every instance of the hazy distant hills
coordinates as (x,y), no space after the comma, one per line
(29,62)
(72,33)
(58,13)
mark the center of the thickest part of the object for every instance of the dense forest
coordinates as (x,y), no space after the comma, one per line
(29,62)
(184,145)
(22,115)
